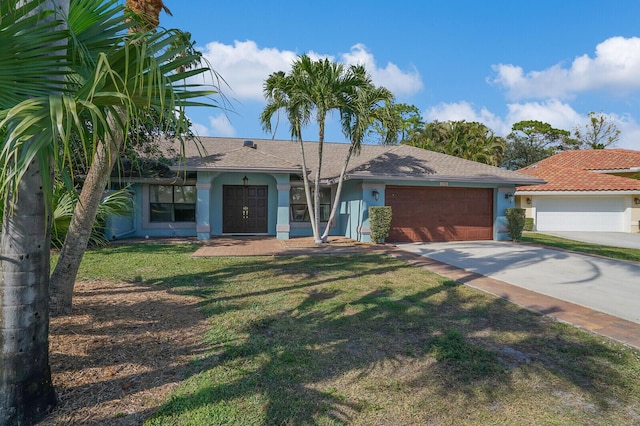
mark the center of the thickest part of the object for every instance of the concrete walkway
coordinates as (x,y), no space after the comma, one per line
(463,267)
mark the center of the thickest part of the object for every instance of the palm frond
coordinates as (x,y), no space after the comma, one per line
(107,73)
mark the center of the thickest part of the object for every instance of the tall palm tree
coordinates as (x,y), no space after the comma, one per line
(365,107)
(281,94)
(51,82)
(312,88)
(150,65)
(30,33)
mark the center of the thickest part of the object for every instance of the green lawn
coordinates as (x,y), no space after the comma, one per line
(366,339)
(606,251)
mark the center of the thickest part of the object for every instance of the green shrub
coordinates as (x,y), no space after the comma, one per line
(380,222)
(515,222)
(528,224)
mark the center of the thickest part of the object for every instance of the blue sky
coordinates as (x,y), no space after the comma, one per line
(497,62)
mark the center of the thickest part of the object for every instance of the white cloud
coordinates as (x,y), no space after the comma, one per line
(615,67)
(199,129)
(560,115)
(245,66)
(221,126)
(465,111)
(629,131)
(391,76)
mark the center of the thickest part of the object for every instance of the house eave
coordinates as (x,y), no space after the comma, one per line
(187,168)
(443,178)
(155,180)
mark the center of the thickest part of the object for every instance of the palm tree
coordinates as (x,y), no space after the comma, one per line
(30,33)
(63,206)
(367,106)
(469,140)
(312,88)
(150,64)
(51,82)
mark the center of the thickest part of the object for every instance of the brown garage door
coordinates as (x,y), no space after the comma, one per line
(440,214)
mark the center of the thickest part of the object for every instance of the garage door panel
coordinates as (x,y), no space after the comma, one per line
(440,214)
(596,214)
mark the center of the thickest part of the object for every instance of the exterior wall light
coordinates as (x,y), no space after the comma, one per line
(375,194)
(529,201)
(245,181)
(509,196)
(636,200)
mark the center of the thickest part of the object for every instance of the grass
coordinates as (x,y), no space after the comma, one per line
(606,251)
(366,339)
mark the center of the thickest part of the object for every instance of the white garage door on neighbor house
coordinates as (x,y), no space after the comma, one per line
(574,213)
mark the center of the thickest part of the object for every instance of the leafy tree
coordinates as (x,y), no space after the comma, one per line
(311,89)
(531,141)
(599,133)
(404,122)
(469,140)
(51,81)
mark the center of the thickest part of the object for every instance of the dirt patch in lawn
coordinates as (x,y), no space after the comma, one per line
(120,354)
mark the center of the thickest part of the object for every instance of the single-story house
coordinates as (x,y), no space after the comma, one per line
(586,190)
(229,186)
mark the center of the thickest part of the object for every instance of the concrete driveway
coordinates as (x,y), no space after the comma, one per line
(608,286)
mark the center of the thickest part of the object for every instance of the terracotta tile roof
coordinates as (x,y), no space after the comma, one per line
(574,171)
(566,179)
(595,159)
(374,161)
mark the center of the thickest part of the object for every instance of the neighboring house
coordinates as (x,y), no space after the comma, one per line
(236,187)
(586,190)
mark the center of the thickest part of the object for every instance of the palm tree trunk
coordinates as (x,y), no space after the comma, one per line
(307,190)
(316,193)
(334,208)
(26,391)
(84,215)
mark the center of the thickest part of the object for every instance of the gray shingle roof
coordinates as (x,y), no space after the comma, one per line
(377,162)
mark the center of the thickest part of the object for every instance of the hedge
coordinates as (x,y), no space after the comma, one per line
(379,222)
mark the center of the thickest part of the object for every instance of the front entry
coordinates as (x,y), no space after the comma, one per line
(244,209)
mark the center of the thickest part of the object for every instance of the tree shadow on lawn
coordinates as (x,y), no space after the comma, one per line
(120,344)
(313,357)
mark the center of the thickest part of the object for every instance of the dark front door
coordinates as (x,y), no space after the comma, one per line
(244,209)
